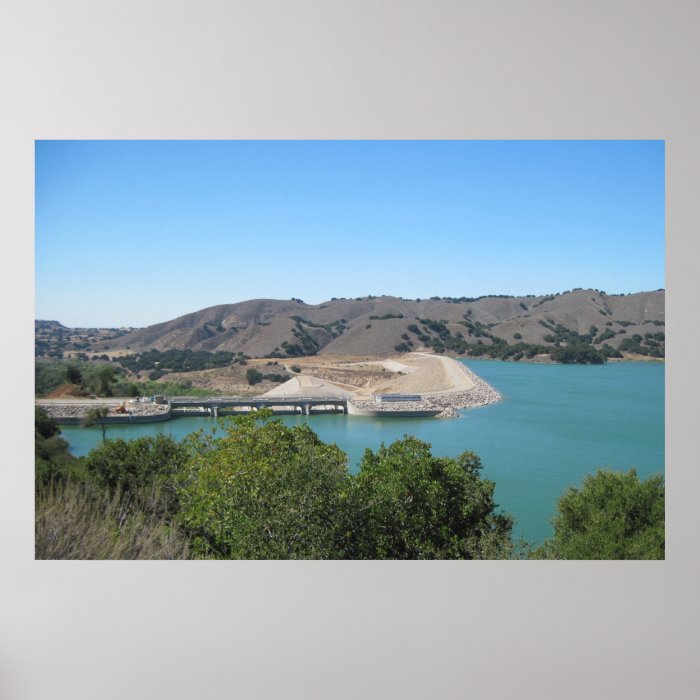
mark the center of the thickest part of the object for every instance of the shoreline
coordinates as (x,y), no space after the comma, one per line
(524,361)
(440,403)
(431,385)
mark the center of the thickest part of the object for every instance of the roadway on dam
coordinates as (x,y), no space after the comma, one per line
(182,405)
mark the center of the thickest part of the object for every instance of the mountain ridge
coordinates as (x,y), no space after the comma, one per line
(380,324)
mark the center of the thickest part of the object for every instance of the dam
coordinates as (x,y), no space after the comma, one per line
(125,412)
(428,386)
(230,405)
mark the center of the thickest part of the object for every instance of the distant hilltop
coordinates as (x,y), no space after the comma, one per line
(376,325)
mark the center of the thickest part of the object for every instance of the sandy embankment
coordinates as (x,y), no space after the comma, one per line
(443,384)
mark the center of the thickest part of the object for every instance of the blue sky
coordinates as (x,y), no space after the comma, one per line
(139,232)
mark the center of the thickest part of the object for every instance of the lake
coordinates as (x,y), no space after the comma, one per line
(555,424)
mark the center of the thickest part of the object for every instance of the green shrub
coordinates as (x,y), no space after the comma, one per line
(409,504)
(52,460)
(613,515)
(266,491)
(253,376)
(131,464)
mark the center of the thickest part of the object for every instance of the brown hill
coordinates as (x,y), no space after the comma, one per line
(380,325)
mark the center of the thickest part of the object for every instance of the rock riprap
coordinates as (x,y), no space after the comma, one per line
(79,410)
(448,402)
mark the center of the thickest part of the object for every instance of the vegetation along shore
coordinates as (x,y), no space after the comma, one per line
(260,490)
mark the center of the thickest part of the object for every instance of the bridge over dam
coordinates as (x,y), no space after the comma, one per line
(122,411)
(304,405)
(217,406)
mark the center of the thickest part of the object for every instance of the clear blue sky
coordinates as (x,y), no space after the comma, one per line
(138,232)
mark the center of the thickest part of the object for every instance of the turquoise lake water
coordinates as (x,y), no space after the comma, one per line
(555,424)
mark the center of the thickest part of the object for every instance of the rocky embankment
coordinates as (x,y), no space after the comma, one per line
(481,395)
(78,411)
(394,406)
(447,402)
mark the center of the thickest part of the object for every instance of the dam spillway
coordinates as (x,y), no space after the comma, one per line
(216,406)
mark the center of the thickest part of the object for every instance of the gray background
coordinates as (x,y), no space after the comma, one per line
(347,70)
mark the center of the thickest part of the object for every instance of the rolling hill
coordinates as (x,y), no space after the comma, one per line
(382,325)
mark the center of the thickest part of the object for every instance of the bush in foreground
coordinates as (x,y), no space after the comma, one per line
(409,504)
(265,491)
(613,516)
(131,464)
(52,460)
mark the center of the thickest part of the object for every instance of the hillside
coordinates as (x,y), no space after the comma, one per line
(53,339)
(385,325)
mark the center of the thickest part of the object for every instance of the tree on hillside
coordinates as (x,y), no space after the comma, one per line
(577,353)
(265,491)
(100,377)
(409,504)
(96,416)
(73,374)
(48,376)
(613,516)
(254,376)
(105,377)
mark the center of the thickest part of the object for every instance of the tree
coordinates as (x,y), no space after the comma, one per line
(253,376)
(577,353)
(73,374)
(613,516)
(105,375)
(96,416)
(48,376)
(409,504)
(265,491)
(52,460)
(130,464)
(44,426)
